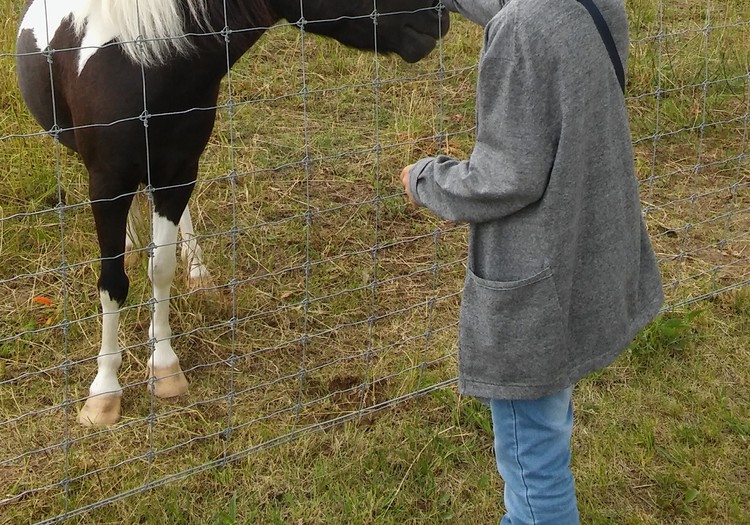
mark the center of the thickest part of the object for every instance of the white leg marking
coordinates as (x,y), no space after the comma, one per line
(163,364)
(161,269)
(110,356)
(192,253)
(103,405)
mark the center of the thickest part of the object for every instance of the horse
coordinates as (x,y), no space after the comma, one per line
(132,87)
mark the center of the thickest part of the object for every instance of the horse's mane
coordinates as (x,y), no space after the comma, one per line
(152,31)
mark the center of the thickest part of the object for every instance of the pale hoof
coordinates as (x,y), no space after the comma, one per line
(168,382)
(100,410)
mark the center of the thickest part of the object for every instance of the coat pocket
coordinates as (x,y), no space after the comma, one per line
(512,333)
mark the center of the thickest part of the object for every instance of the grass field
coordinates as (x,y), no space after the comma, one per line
(356,308)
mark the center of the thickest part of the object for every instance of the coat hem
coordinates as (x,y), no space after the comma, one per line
(487,390)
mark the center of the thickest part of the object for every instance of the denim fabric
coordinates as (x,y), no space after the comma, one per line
(532,448)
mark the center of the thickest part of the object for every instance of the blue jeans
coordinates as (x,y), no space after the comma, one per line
(532,449)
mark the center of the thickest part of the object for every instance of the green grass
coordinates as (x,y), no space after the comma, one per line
(662,436)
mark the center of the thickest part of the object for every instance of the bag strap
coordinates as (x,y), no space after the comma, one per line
(609,42)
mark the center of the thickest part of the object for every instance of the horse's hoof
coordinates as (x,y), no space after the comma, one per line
(168,381)
(101,410)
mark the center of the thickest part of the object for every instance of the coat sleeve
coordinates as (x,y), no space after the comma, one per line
(478,11)
(516,142)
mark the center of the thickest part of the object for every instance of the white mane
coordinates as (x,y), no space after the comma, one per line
(150,30)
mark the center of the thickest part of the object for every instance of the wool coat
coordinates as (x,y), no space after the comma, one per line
(561,273)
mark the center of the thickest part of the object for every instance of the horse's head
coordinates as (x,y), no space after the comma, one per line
(409,28)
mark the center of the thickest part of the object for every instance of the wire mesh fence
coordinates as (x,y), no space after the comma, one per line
(330,298)
(690,115)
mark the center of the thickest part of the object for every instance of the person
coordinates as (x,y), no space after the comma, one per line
(561,274)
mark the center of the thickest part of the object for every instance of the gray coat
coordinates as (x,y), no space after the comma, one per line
(561,272)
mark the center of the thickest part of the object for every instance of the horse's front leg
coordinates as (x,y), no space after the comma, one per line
(165,374)
(110,214)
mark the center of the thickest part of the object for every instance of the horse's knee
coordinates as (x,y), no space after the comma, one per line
(114,282)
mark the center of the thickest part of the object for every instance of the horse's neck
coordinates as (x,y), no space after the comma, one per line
(235,27)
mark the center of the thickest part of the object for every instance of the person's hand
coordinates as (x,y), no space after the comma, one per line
(405,181)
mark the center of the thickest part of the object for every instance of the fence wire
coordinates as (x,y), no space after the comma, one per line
(331,299)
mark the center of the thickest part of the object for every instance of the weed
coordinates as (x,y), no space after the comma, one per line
(670,333)
(229,516)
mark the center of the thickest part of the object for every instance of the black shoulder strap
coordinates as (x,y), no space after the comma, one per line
(609,42)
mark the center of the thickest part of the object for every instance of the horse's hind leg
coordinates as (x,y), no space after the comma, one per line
(192,254)
(198,276)
(110,213)
(167,379)
(132,238)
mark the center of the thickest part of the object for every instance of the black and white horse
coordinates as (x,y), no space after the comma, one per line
(131,85)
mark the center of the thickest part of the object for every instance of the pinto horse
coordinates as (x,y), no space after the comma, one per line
(132,86)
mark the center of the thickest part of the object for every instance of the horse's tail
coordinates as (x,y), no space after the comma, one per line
(151,31)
